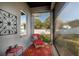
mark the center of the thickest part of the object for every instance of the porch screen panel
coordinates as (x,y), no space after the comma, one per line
(67,30)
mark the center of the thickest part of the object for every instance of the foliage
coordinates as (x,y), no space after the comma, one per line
(74,23)
(47,23)
(45,38)
(40,25)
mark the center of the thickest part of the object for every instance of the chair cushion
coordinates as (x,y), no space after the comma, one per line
(38,43)
(44,51)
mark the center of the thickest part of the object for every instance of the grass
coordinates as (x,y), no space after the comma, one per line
(70,42)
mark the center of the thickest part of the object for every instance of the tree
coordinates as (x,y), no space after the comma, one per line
(59,23)
(47,23)
(38,24)
(24,24)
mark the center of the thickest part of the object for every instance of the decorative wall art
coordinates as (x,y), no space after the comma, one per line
(8,23)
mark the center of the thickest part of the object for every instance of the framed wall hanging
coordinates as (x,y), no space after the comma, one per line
(8,23)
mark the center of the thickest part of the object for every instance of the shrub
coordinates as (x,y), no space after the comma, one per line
(45,38)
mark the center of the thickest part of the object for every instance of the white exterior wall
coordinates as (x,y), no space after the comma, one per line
(6,41)
(41,31)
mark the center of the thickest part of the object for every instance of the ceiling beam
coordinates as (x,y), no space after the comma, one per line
(52,5)
(40,9)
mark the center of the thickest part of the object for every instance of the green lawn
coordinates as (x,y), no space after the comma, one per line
(70,42)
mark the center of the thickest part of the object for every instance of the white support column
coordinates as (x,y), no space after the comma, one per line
(32,24)
(51,30)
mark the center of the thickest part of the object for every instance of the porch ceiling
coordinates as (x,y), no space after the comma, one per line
(38,4)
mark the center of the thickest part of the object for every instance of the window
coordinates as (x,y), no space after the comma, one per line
(67,30)
(23,24)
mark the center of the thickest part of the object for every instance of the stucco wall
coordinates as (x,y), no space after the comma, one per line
(8,40)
